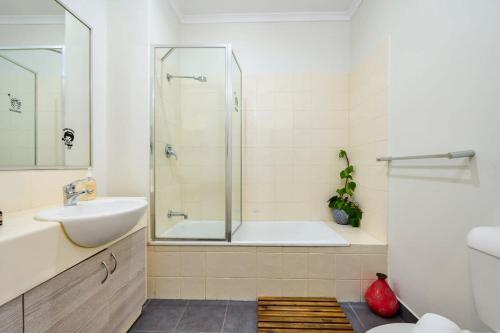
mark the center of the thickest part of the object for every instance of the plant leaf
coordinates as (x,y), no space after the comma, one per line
(351,186)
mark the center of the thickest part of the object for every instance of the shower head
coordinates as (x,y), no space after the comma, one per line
(200,78)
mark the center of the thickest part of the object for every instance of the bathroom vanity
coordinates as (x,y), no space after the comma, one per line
(104,293)
(51,284)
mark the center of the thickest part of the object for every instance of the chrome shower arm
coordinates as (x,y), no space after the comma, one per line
(200,78)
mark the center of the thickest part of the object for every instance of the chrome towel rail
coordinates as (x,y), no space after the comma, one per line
(452,155)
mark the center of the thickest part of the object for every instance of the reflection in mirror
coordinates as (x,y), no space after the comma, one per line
(44,86)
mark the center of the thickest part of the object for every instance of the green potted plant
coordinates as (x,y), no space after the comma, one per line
(345,210)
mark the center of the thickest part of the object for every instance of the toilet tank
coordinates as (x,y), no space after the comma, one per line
(484,245)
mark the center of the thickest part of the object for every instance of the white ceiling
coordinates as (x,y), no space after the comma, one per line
(209,11)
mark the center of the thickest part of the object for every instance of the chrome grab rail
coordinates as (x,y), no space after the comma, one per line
(451,155)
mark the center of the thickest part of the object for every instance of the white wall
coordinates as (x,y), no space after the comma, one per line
(132,25)
(444,61)
(280,48)
(164,26)
(94,13)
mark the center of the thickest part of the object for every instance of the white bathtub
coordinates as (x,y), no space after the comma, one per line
(276,233)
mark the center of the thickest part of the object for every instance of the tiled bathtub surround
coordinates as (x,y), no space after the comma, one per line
(294,127)
(243,273)
(368,135)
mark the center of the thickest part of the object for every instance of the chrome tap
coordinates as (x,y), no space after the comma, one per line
(171,214)
(170,151)
(70,195)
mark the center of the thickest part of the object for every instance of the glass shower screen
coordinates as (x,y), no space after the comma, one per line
(196,143)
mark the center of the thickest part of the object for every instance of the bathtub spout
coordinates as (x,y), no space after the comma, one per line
(171,214)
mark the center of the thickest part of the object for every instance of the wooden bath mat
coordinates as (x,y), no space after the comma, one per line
(302,315)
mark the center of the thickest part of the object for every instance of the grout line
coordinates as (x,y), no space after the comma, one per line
(182,315)
(225,315)
(357,317)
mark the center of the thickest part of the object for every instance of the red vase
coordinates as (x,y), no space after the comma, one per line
(381,299)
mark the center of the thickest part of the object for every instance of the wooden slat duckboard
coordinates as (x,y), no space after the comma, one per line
(302,315)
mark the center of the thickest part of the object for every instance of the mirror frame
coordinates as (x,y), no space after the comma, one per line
(91,160)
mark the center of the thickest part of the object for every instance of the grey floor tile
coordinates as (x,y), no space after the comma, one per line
(203,316)
(357,325)
(241,317)
(371,320)
(158,317)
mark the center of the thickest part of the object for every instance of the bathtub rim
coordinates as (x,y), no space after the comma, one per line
(354,236)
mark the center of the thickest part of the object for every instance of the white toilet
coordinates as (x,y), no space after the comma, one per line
(484,244)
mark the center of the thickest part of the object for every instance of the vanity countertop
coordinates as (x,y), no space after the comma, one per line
(32,252)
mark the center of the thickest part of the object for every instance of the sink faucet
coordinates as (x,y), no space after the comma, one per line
(172,214)
(70,195)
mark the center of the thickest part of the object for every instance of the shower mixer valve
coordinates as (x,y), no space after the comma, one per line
(170,151)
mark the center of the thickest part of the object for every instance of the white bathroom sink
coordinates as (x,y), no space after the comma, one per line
(97,222)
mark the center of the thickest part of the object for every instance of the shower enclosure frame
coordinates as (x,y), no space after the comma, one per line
(229,54)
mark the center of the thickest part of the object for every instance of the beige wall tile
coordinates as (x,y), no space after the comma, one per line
(348,290)
(295,265)
(269,287)
(321,266)
(168,288)
(229,288)
(321,288)
(365,284)
(244,275)
(165,264)
(193,288)
(312,116)
(47,185)
(368,134)
(348,266)
(193,264)
(229,264)
(269,265)
(373,264)
(16,190)
(217,288)
(173,248)
(232,248)
(151,286)
(294,287)
(30,189)
(269,249)
(243,289)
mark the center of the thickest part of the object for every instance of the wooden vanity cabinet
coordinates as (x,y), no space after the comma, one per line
(104,293)
(11,316)
(127,285)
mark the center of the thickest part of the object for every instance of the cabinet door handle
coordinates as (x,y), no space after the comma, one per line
(107,271)
(116,263)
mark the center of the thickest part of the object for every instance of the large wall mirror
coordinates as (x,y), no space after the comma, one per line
(45,88)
